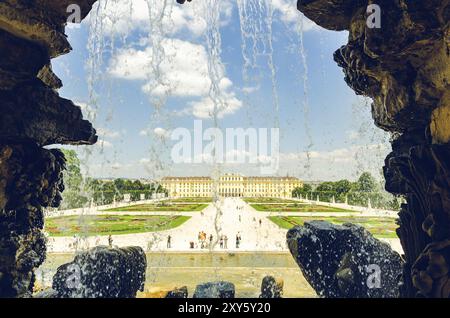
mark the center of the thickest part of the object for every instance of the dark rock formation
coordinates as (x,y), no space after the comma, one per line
(271,287)
(215,290)
(102,272)
(178,293)
(33,115)
(339,261)
(30,179)
(404,66)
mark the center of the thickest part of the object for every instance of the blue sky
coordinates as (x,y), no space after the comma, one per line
(328,123)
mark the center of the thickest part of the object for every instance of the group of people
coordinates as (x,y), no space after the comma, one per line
(202,239)
(223,241)
(205,241)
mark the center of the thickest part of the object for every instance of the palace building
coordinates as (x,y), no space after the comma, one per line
(231,185)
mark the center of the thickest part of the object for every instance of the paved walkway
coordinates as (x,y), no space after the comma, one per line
(229,217)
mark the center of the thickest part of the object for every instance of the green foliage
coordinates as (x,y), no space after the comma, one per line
(355,193)
(302,190)
(326,187)
(73,182)
(79,191)
(343,187)
(366,183)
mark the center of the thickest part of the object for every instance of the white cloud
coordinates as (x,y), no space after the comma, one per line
(144,161)
(120,17)
(88,111)
(107,133)
(143,132)
(250,89)
(205,107)
(116,166)
(161,132)
(183,73)
(334,164)
(288,13)
(104,144)
(158,131)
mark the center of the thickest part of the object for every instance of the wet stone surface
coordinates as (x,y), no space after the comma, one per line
(102,272)
(345,261)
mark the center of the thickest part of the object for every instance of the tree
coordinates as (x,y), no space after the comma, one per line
(119,184)
(343,187)
(326,187)
(366,183)
(306,188)
(73,182)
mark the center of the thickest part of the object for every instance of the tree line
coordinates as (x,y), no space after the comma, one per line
(359,193)
(79,191)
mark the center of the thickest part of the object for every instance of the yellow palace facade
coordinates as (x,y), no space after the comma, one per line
(231,185)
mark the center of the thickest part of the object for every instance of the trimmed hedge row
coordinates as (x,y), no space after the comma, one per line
(377,200)
(107,197)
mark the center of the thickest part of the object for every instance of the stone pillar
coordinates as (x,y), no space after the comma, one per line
(33,115)
(404,66)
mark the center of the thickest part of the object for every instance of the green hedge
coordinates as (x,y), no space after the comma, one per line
(107,197)
(377,200)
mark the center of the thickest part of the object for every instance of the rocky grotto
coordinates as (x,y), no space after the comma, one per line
(404,66)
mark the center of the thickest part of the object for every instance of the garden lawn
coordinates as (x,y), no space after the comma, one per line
(111,224)
(379,227)
(167,207)
(268,200)
(191,200)
(296,207)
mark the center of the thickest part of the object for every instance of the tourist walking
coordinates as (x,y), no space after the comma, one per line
(260,222)
(169,242)
(225,242)
(202,239)
(110,241)
(221,241)
(238,240)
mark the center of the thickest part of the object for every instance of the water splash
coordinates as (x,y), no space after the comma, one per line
(216,70)
(256,20)
(305,104)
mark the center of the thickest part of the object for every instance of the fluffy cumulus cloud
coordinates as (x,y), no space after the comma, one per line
(286,11)
(183,72)
(335,164)
(101,143)
(108,133)
(120,17)
(161,132)
(206,107)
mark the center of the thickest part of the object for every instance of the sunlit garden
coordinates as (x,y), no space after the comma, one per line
(268,200)
(379,227)
(160,207)
(111,224)
(296,207)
